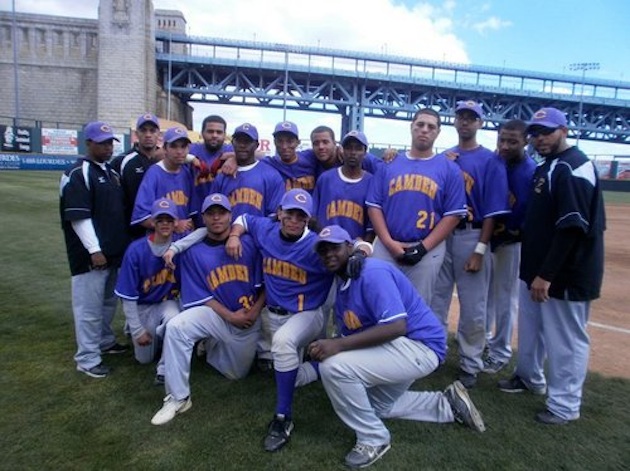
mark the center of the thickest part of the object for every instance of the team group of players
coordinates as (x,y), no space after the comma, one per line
(283,240)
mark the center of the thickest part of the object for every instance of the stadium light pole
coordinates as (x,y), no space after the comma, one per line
(16,75)
(583,66)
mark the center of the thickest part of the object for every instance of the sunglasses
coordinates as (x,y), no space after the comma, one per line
(542,131)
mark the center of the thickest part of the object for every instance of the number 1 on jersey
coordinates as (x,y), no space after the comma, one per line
(300,303)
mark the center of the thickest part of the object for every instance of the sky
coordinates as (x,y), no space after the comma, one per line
(535,35)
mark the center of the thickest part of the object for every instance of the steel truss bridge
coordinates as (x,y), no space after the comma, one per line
(358,85)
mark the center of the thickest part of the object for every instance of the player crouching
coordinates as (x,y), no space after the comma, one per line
(223,298)
(149,290)
(389,338)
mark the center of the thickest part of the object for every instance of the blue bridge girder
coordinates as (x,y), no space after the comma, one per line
(358,85)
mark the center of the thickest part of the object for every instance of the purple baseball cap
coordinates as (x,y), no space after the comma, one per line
(147,118)
(470,105)
(334,235)
(247,129)
(98,131)
(164,206)
(548,118)
(216,199)
(357,135)
(297,199)
(175,134)
(286,126)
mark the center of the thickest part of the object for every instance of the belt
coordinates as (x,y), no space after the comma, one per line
(278,310)
(463,224)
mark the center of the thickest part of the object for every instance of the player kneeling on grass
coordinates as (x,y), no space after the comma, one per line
(149,290)
(223,298)
(390,338)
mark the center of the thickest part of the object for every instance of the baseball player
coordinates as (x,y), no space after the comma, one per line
(297,285)
(506,245)
(466,262)
(414,203)
(329,155)
(339,196)
(132,165)
(170,178)
(256,188)
(209,154)
(93,220)
(389,338)
(223,298)
(150,291)
(562,266)
(297,169)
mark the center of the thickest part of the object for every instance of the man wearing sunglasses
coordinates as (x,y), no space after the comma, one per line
(562,265)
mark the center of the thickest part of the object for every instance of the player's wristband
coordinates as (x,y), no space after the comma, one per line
(481,248)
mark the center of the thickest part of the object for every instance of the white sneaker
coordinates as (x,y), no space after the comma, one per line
(170,409)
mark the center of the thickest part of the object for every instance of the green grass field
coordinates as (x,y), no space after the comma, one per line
(52,417)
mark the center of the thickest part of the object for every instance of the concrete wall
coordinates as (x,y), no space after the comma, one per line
(74,70)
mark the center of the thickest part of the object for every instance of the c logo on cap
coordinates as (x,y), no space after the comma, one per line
(353,133)
(164,204)
(179,131)
(148,116)
(245,127)
(300,197)
(106,128)
(325,232)
(540,114)
(216,198)
(287,125)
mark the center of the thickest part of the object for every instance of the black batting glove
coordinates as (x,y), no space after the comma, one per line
(413,255)
(355,264)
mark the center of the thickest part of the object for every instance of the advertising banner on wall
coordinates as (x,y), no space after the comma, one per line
(60,141)
(35,162)
(16,139)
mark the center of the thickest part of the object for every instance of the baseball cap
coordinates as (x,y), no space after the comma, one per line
(548,118)
(175,134)
(358,135)
(216,199)
(470,105)
(98,131)
(164,206)
(247,129)
(297,199)
(286,126)
(333,234)
(147,118)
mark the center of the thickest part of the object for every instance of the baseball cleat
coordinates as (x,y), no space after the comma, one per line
(516,385)
(464,411)
(279,432)
(492,366)
(158,380)
(469,380)
(549,418)
(170,409)
(98,371)
(115,349)
(362,456)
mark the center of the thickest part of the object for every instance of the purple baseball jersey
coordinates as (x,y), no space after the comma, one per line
(415,194)
(299,174)
(381,295)
(294,276)
(256,189)
(160,183)
(144,278)
(508,227)
(203,183)
(485,178)
(208,272)
(340,200)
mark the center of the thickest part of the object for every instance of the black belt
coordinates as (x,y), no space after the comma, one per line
(463,224)
(278,310)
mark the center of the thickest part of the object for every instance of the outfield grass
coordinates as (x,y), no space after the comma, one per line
(55,418)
